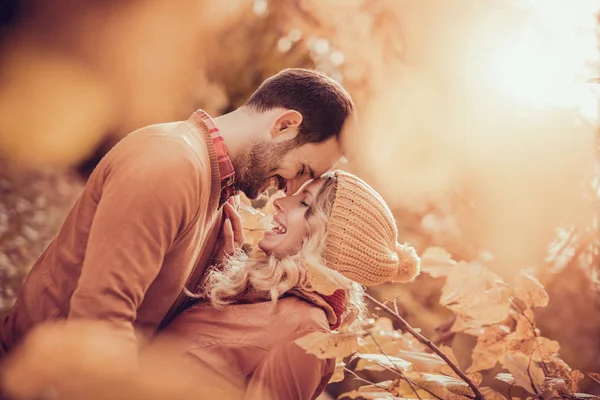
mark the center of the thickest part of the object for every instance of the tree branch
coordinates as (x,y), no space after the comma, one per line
(391,362)
(362,379)
(429,343)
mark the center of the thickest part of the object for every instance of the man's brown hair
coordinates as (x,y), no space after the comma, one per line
(324,104)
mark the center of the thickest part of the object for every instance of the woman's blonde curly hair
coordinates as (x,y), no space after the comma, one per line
(256,276)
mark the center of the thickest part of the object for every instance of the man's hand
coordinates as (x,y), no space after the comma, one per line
(231,237)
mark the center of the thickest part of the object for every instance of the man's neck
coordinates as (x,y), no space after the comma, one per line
(241,128)
(237,131)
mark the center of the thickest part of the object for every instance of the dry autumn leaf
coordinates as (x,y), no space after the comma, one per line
(476,294)
(375,391)
(527,373)
(388,340)
(453,396)
(490,348)
(469,326)
(442,385)
(423,362)
(447,350)
(525,325)
(529,290)
(381,362)
(476,378)
(437,262)
(338,373)
(538,348)
(355,394)
(401,388)
(505,377)
(326,345)
(557,368)
(555,386)
(575,378)
(446,369)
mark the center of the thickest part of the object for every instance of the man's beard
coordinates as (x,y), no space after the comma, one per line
(255,167)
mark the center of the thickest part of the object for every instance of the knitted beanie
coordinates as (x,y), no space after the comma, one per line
(362,238)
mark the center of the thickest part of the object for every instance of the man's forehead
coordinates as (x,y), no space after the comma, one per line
(321,157)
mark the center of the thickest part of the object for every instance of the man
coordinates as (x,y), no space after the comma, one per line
(146,225)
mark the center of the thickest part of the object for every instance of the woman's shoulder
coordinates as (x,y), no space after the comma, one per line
(299,314)
(262,324)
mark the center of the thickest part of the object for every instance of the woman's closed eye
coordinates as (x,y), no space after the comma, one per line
(304,204)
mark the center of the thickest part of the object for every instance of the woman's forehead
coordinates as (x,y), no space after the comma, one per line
(314,185)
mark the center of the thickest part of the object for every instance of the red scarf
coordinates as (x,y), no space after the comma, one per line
(337,301)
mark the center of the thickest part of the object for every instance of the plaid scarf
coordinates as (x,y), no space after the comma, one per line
(226,171)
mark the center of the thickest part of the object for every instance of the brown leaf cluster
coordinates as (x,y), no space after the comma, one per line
(506,335)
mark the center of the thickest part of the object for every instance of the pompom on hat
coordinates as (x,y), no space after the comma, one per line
(362,238)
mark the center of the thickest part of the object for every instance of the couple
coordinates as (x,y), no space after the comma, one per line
(156,215)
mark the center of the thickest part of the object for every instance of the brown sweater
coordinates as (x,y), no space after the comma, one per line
(144,226)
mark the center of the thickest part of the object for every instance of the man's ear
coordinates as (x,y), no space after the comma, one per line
(285,126)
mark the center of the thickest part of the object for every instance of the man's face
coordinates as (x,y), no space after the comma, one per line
(284,166)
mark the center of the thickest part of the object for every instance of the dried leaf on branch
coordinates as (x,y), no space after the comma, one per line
(527,373)
(338,373)
(326,345)
(490,348)
(382,362)
(529,290)
(476,294)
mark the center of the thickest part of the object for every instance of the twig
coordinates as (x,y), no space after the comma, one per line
(385,387)
(427,390)
(535,335)
(364,380)
(510,388)
(391,362)
(535,390)
(396,306)
(433,347)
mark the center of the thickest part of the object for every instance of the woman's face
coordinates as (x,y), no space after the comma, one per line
(290,222)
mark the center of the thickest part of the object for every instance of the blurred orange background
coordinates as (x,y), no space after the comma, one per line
(479,120)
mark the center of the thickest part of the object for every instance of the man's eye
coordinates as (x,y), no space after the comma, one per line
(301,171)
(304,204)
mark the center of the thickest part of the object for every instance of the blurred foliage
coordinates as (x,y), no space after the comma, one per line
(33,205)
(464,165)
(94,361)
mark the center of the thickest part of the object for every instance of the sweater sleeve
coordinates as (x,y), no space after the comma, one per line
(147,192)
(288,373)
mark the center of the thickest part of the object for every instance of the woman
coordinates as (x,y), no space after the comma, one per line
(336,225)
